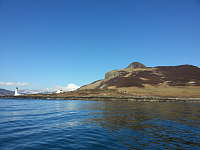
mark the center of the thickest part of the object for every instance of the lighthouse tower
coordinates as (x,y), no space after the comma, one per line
(16,92)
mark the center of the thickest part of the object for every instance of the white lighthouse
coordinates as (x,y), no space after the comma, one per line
(16,92)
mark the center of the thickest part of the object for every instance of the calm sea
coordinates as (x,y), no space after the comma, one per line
(73,124)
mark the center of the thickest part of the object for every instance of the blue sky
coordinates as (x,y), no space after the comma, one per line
(51,43)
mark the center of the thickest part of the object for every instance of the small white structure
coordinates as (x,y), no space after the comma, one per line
(192,82)
(16,92)
(59,91)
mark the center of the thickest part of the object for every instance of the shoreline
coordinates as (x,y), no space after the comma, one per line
(105,98)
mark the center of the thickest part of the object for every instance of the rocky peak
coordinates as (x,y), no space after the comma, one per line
(123,72)
(134,65)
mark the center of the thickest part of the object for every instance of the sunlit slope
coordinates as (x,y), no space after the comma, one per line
(137,75)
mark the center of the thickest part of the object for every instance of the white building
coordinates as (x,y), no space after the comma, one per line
(59,91)
(16,92)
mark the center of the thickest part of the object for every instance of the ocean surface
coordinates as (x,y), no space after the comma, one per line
(91,125)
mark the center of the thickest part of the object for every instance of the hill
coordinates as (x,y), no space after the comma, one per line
(138,76)
(4,92)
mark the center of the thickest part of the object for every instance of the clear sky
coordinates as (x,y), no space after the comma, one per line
(51,43)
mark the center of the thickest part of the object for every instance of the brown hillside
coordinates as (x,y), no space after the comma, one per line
(180,75)
(140,76)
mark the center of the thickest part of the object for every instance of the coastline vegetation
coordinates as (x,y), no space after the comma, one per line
(174,92)
(141,95)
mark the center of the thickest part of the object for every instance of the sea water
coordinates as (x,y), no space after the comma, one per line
(72,124)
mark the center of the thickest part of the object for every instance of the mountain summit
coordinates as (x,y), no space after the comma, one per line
(134,65)
(137,75)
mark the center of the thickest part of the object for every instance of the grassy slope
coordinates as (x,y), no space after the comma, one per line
(161,81)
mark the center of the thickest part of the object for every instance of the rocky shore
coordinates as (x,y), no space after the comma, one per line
(105,98)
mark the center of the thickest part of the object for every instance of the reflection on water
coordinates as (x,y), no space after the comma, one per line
(55,124)
(133,113)
(169,125)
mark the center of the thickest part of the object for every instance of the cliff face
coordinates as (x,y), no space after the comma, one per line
(138,75)
(115,73)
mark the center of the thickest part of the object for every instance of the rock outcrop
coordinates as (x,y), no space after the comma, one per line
(115,73)
(123,72)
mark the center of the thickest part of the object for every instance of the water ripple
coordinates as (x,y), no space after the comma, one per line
(54,124)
